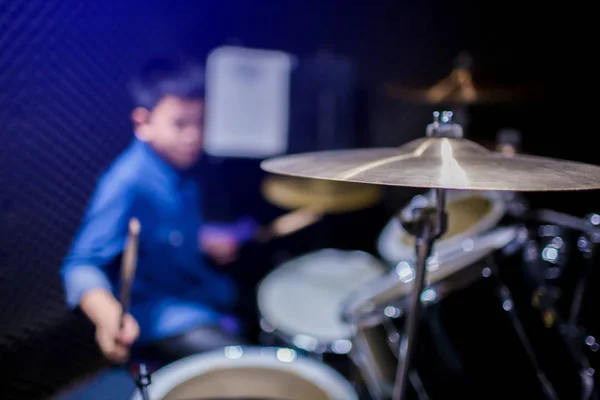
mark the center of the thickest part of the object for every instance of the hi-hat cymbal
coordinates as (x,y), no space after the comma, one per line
(440,163)
(325,196)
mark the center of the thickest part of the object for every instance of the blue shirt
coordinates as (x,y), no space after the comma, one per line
(173,290)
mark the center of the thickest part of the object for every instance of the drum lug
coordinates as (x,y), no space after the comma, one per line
(592,344)
(265,326)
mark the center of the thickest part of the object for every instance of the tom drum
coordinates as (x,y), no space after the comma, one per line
(301,300)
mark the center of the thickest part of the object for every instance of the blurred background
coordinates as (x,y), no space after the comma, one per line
(64,115)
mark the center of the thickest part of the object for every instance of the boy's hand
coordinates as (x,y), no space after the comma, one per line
(221,247)
(113,339)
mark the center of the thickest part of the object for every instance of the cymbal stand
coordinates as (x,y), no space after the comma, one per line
(427,225)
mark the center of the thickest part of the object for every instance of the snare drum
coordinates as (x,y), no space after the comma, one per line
(300,301)
(469,214)
(249,373)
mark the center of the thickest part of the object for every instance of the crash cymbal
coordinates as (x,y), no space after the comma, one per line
(440,163)
(325,196)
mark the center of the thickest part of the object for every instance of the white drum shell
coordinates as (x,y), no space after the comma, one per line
(302,298)
(321,376)
(393,249)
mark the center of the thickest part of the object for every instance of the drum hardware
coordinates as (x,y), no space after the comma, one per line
(507,301)
(573,338)
(374,364)
(587,246)
(547,294)
(374,305)
(572,333)
(594,220)
(564,220)
(143,380)
(426,225)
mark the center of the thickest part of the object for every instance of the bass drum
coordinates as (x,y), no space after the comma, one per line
(248,373)
(300,301)
(469,214)
(471,342)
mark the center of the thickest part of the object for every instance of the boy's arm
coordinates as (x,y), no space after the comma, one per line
(222,241)
(101,238)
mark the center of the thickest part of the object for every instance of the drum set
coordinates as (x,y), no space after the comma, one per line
(473,295)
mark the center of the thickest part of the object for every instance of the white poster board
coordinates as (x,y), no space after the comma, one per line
(247,102)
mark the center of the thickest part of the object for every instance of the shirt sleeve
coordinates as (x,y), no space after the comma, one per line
(101,238)
(243,230)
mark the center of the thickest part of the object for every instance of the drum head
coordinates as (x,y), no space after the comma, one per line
(445,272)
(469,214)
(301,299)
(249,373)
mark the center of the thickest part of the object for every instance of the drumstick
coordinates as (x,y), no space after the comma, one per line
(289,223)
(128,264)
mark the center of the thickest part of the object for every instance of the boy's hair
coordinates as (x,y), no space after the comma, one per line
(163,77)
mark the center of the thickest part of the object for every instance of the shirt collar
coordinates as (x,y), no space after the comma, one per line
(157,163)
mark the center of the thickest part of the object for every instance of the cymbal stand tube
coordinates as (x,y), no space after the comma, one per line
(427,225)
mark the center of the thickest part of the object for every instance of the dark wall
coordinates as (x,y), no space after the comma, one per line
(64,116)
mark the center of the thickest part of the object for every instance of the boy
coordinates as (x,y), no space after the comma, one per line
(178,305)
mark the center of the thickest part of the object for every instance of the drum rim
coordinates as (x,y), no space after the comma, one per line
(327,379)
(395,254)
(352,307)
(323,346)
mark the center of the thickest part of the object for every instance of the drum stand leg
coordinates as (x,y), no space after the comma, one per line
(508,306)
(417,384)
(427,225)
